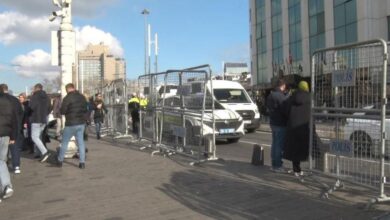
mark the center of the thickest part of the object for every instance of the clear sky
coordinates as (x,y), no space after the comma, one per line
(191,33)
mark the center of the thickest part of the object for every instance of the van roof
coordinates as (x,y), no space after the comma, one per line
(221,84)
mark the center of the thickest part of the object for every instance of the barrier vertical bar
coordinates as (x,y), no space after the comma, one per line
(140,115)
(383,125)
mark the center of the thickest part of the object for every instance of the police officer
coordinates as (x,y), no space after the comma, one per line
(134,106)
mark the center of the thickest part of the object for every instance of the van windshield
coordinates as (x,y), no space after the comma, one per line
(231,96)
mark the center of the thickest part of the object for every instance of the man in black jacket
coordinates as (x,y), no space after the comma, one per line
(74,107)
(16,147)
(40,109)
(8,130)
(278,122)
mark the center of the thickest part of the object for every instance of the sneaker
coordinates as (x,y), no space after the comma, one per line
(82,165)
(44,157)
(58,163)
(17,170)
(8,192)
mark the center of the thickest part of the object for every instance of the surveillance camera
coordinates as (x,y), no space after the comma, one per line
(58,13)
(52,18)
(57,3)
(66,3)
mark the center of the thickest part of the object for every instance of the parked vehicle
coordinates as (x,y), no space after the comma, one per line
(228,123)
(365,134)
(231,95)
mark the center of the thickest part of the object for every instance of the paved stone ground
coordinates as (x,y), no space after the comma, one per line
(120,182)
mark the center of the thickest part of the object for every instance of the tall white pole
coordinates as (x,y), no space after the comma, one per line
(145,12)
(149,47)
(156,52)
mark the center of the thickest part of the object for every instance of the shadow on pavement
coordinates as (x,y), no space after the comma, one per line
(235,190)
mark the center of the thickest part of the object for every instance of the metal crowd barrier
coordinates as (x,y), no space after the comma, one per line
(116,101)
(179,116)
(349,92)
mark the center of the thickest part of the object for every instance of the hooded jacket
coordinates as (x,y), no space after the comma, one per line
(8,117)
(40,107)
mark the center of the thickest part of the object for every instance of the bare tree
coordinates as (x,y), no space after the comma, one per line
(52,85)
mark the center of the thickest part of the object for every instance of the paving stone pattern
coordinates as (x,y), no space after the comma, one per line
(120,182)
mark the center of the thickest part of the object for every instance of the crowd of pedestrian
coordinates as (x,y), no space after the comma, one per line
(24,122)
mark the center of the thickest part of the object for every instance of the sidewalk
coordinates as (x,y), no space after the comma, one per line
(120,182)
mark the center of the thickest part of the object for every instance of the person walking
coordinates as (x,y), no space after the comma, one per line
(133,107)
(27,142)
(15,148)
(40,109)
(296,148)
(74,107)
(278,121)
(8,133)
(57,115)
(99,112)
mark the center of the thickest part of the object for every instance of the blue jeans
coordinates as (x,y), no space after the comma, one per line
(278,137)
(5,179)
(98,126)
(36,132)
(67,134)
(15,150)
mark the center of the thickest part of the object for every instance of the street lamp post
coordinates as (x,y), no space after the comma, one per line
(145,12)
(63,52)
(66,40)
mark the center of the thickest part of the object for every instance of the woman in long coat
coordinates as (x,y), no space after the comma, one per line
(296,148)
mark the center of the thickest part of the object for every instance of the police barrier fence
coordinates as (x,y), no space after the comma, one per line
(115,99)
(179,115)
(349,92)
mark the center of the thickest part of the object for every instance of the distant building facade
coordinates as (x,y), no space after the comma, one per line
(96,67)
(285,33)
(233,71)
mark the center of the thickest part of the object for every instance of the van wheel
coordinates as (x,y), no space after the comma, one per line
(233,140)
(362,144)
(251,130)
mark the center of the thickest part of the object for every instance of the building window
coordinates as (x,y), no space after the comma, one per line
(261,42)
(345,21)
(316,25)
(277,31)
(294,20)
(388,28)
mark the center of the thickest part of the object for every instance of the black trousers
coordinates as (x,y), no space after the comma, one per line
(296,166)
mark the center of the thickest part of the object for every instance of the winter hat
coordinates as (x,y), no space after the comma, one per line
(303,86)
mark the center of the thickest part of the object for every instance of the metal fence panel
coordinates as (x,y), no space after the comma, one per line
(180,112)
(115,100)
(349,107)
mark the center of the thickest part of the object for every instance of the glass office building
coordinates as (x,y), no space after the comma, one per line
(285,33)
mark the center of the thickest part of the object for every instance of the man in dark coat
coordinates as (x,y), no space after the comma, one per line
(27,142)
(16,147)
(99,111)
(40,109)
(8,131)
(278,121)
(74,107)
(296,147)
